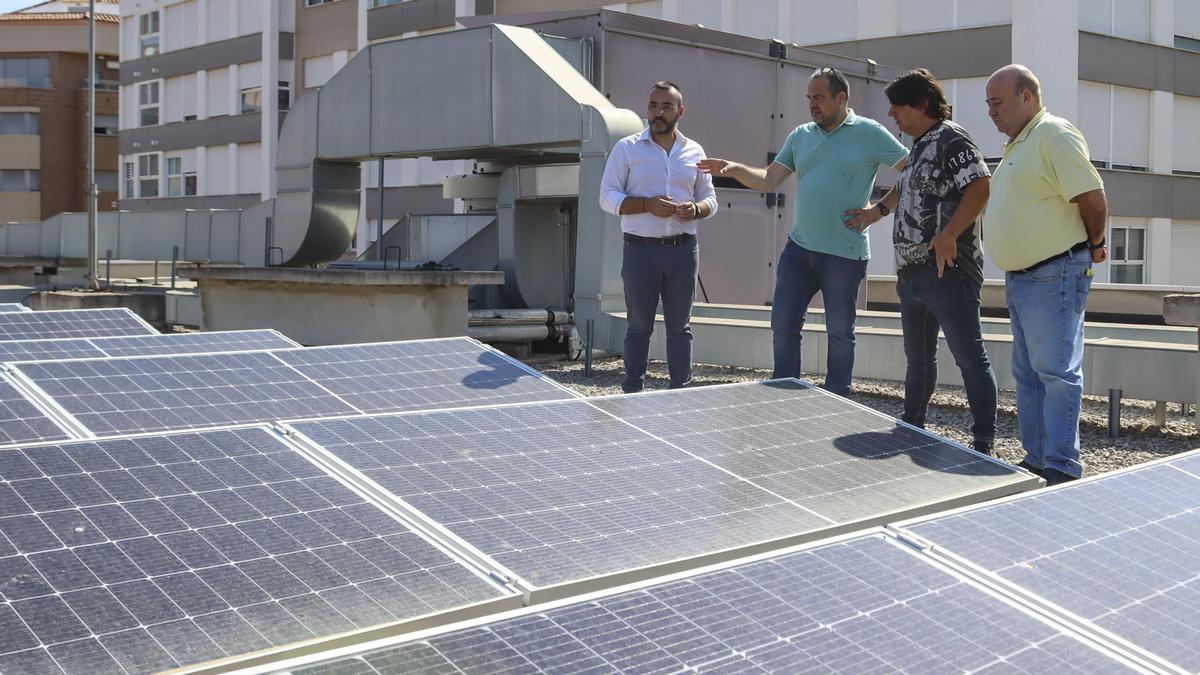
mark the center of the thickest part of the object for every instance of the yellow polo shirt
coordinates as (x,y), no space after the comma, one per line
(1029,215)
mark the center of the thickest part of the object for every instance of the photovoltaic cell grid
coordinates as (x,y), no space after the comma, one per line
(822,452)
(565,491)
(422,375)
(862,606)
(120,396)
(72,323)
(560,491)
(6,307)
(193,343)
(152,553)
(142,345)
(21,422)
(1121,551)
(48,350)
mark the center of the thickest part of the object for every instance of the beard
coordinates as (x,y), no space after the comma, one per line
(662,126)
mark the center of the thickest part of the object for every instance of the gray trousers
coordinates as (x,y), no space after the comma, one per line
(650,272)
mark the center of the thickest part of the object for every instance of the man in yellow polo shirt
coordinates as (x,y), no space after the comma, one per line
(1044,227)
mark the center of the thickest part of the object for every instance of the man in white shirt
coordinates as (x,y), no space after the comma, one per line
(652,182)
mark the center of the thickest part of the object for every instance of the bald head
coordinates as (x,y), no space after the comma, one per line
(1020,79)
(1014,97)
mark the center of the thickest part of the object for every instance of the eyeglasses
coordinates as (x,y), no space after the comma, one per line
(665,107)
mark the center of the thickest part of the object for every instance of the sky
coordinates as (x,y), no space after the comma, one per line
(13,5)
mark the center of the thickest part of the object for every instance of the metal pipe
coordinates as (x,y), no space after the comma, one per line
(92,281)
(504,317)
(514,333)
(174,263)
(1114,413)
(587,348)
(379,235)
(108,268)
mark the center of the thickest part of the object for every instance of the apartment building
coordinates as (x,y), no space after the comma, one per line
(205,82)
(43,109)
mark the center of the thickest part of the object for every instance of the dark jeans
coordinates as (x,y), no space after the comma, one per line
(651,271)
(951,303)
(800,274)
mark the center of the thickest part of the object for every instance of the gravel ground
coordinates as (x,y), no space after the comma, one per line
(1140,441)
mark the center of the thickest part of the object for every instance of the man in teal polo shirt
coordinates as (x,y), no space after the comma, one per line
(835,158)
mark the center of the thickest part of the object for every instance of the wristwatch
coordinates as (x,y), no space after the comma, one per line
(883,209)
(1096,247)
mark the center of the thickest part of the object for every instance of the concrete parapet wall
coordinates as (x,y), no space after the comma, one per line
(149,306)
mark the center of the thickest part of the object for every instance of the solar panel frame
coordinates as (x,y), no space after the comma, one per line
(915,530)
(19,410)
(621,620)
(117,450)
(1018,480)
(41,325)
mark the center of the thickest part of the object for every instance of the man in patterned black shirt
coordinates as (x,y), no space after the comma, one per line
(939,264)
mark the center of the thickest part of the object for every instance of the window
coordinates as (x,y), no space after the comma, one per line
(148,104)
(148,175)
(106,125)
(1128,259)
(285,95)
(20,123)
(252,100)
(314,3)
(179,184)
(106,181)
(129,194)
(148,33)
(1184,42)
(20,180)
(25,73)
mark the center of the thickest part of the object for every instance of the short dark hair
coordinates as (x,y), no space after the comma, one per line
(667,85)
(838,84)
(1025,82)
(919,89)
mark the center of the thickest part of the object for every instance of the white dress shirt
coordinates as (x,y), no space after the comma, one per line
(639,167)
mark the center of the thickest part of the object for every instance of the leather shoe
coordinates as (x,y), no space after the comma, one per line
(1029,467)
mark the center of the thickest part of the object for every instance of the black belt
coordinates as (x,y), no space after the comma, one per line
(660,241)
(1074,249)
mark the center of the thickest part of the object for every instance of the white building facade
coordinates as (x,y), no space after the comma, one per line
(204,83)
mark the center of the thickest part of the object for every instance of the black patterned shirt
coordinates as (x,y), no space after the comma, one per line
(943,162)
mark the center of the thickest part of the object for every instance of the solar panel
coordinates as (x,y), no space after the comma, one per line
(72,323)
(128,395)
(839,459)
(193,343)
(21,421)
(1121,551)
(423,375)
(860,606)
(152,553)
(48,350)
(6,307)
(559,492)
(140,394)
(563,492)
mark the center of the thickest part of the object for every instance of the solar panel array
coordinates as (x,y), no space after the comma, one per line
(1121,551)
(564,491)
(142,345)
(6,307)
(72,323)
(151,553)
(860,606)
(141,394)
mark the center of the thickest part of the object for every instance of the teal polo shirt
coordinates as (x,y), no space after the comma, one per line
(835,172)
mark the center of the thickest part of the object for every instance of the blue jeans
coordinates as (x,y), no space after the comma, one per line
(1046,306)
(651,271)
(800,274)
(951,303)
